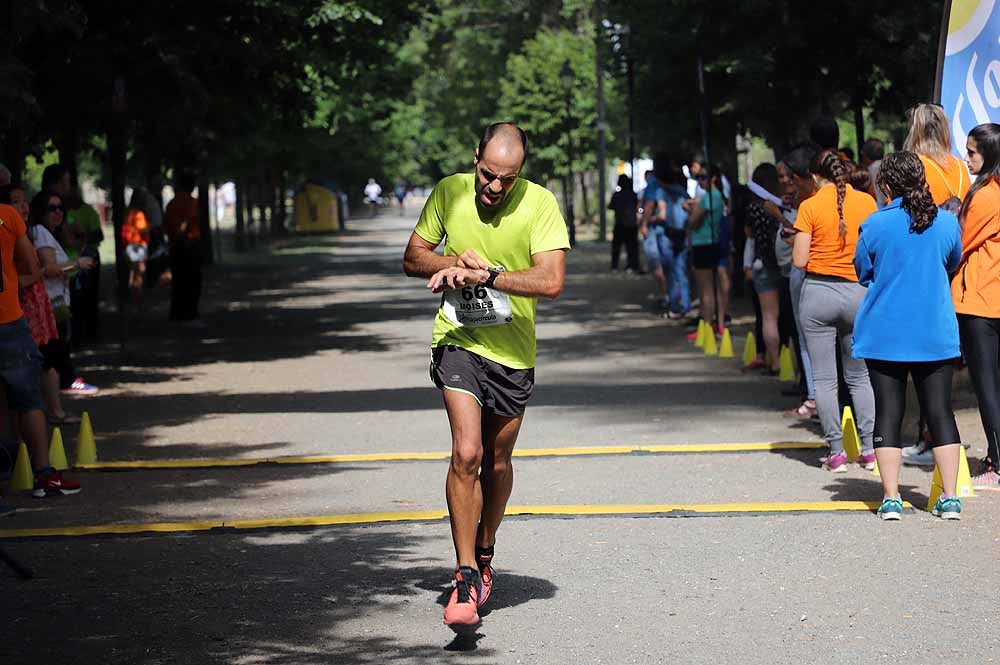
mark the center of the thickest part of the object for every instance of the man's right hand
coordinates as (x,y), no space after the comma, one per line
(456,278)
(643,231)
(469,259)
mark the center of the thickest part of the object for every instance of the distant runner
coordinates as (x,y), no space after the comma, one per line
(505,244)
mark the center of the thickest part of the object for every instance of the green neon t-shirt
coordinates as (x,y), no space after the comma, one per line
(528,222)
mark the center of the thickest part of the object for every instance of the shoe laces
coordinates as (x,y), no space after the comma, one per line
(463,586)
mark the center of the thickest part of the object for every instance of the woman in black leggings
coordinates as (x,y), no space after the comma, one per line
(976,290)
(906,325)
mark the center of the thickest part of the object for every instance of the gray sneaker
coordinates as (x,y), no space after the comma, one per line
(918,455)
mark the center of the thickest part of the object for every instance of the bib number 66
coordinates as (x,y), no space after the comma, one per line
(478,292)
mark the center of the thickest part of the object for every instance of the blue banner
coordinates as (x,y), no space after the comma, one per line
(970,83)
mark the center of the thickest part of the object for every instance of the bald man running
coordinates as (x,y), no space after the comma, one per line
(505,244)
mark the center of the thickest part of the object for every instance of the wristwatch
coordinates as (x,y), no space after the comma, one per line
(494,273)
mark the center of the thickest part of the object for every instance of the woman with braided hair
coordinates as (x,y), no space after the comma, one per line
(827,226)
(905,255)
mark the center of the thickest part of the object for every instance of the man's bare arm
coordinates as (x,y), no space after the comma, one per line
(544,279)
(420,259)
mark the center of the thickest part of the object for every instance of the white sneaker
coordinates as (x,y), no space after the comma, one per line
(917,455)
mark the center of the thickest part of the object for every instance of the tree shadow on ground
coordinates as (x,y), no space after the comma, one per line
(172,495)
(312,596)
(869,488)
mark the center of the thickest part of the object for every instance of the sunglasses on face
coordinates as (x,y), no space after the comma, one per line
(54,208)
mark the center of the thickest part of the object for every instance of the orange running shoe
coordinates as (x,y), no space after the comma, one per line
(461,611)
(484,560)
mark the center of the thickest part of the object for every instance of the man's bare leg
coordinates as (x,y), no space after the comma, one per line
(497,475)
(462,488)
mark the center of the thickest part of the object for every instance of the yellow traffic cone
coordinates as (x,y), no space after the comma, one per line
(710,347)
(57,454)
(749,349)
(852,442)
(787,372)
(726,348)
(23,479)
(86,448)
(963,487)
(699,341)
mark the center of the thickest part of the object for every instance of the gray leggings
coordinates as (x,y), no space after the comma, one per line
(826,310)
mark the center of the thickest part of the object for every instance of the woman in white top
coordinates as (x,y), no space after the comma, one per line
(44,219)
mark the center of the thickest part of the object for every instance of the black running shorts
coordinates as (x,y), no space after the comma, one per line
(497,388)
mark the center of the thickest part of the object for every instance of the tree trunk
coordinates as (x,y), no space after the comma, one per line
(586,203)
(240,233)
(253,212)
(205,221)
(118,165)
(278,220)
(859,127)
(14,152)
(68,146)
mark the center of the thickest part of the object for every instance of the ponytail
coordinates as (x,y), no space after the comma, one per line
(828,164)
(902,173)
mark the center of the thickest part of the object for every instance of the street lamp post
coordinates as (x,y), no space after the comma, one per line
(566,78)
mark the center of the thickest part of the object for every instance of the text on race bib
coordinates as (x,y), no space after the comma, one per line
(477,306)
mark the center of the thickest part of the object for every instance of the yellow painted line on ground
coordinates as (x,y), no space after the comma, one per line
(109,529)
(411,457)
(435,515)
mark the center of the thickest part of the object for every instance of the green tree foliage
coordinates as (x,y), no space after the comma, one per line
(532,92)
(234,88)
(772,67)
(275,90)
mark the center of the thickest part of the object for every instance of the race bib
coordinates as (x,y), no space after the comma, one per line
(477,306)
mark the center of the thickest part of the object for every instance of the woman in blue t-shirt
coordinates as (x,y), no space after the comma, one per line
(905,255)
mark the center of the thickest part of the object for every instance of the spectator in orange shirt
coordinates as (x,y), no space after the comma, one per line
(184,232)
(827,226)
(975,290)
(20,362)
(930,138)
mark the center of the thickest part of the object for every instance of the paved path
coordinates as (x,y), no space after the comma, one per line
(320,348)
